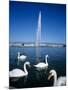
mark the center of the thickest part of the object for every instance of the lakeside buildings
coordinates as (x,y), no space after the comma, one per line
(17,44)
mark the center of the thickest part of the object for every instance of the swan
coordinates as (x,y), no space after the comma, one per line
(61,81)
(21,57)
(42,65)
(18,72)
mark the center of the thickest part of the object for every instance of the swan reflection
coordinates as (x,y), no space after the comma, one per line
(40,73)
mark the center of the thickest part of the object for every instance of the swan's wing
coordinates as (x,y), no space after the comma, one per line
(16,73)
(61,81)
(41,65)
(22,57)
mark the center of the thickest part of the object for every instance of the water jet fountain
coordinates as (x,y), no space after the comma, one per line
(38,38)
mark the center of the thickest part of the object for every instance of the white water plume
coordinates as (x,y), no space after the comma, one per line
(38,38)
(38,35)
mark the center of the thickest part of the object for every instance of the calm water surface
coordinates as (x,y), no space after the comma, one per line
(35,78)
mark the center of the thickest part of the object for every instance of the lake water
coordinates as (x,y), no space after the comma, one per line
(35,78)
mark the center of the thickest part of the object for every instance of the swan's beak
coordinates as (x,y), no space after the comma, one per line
(50,75)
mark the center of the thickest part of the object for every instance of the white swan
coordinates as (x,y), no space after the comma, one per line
(61,81)
(21,57)
(42,65)
(18,72)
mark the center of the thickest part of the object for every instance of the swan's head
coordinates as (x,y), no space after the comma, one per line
(18,53)
(27,63)
(51,73)
(46,55)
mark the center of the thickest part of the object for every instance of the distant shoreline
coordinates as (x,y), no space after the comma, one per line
(34,45)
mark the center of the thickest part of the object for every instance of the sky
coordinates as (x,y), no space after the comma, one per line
(23,22)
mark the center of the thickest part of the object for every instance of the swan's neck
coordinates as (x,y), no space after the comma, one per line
(55,79)
(18,55)
(46,60)
(25,70)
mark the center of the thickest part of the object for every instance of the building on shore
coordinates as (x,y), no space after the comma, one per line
(34,45)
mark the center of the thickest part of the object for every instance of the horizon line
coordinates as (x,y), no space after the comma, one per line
(35,42)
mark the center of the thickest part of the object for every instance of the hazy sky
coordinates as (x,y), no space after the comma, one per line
(24,20)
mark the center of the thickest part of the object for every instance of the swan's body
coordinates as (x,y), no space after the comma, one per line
(61,81)
(42,65)
(21,57)
(18,72)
